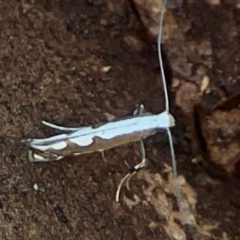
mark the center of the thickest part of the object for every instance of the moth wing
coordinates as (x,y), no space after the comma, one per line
(45,141)
(40,149)
(39,156)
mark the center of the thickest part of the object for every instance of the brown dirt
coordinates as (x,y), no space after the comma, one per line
(52,55)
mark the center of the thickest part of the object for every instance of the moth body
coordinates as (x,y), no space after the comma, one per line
(76,141)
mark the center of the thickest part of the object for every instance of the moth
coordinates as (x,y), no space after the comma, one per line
(97,138)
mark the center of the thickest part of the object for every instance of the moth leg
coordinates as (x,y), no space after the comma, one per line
(103,155)
(143,163)
(120,185)
(139,110)
(140,165)
(132,171)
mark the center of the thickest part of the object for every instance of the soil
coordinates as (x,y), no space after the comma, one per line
(55,56)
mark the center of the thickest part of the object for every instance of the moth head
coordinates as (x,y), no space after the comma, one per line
(165,120)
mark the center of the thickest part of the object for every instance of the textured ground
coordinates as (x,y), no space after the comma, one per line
(53,57)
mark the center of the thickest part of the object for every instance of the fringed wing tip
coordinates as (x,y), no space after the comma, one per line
(42,156)
(26,141)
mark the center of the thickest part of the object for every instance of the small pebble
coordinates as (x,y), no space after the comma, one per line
(109,116)
(57,80)
(134,42)
(35,187)
(106,69)
(103,22)
(175,82)
(204,84)
(83,74)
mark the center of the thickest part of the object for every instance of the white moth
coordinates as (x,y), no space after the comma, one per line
(76,141)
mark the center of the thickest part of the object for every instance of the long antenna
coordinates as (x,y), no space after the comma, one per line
(173,158)
(160,55)
(185,211)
